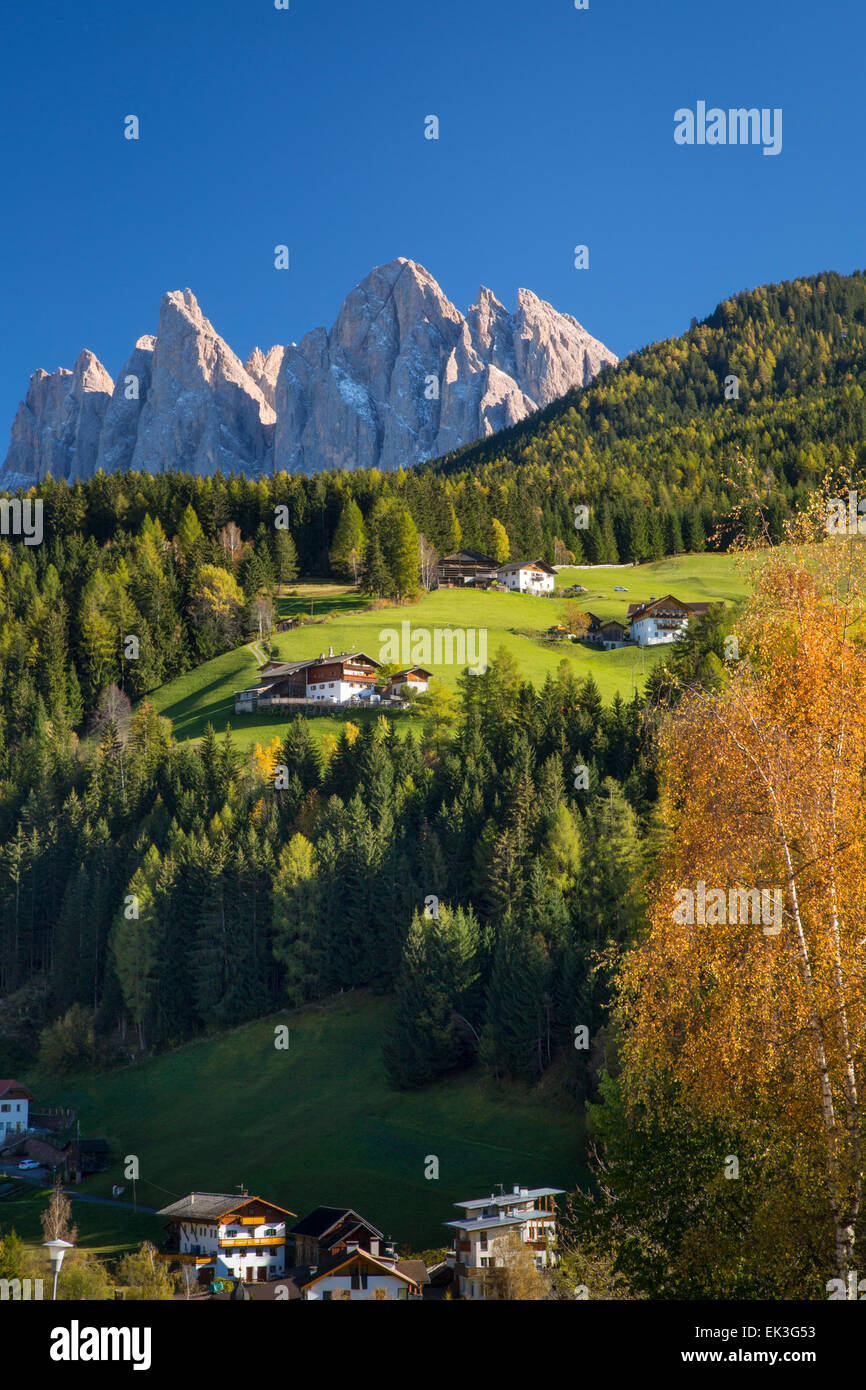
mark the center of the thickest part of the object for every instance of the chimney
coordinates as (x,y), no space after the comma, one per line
(517,1189)
(331,650)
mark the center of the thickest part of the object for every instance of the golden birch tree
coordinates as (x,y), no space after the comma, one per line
(748,989)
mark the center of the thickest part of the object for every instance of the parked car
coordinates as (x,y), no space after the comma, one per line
(620,589)
(29,1163)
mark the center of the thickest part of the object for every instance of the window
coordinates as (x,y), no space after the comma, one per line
(271,1231)
(5,1108)
(359,1279)
(327,1294)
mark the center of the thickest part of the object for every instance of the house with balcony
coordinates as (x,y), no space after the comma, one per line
(662,619)
(15,1102)
(479,1235)
(222,1235)
(527,577)
(334,678)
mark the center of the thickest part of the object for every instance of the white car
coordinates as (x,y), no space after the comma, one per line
(29,1163)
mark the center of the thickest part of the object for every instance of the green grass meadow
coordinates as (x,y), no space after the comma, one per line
(313,1123)
(515,622)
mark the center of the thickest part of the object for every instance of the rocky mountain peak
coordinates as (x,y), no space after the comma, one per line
(401,376)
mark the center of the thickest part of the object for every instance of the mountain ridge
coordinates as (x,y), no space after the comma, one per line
(401,377)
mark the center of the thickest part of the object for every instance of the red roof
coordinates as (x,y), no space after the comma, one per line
(9,1085)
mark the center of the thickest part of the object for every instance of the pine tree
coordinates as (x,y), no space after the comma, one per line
(349,543)
(296,916)
(374,574)
(285,558)
(429,1036)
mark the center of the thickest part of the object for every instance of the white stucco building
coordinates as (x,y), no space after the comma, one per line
(662,619)
(527,577)
(225,1236)
(15,1101)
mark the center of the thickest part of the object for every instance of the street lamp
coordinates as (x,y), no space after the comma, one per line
(56,1250)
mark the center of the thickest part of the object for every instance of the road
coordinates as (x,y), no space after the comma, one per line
(40,1177)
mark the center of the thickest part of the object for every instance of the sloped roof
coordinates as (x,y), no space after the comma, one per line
(275,670)
(474,555)
(636,610)
(400,1269)
(523,565)
(210,1206)
(8,1085)
(323,1221)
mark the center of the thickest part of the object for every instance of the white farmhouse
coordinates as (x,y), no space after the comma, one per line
(225,1236)
(333,679)
(14,1109)
(529,1211)
(662,619)
(527,577)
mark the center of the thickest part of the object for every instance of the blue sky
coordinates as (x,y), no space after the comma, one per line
(306,127)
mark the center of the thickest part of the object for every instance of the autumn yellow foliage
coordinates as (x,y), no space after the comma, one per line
(757,1008)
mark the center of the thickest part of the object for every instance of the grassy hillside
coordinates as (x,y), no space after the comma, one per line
(317,1123)
(103,1228)
(516,622)
(693,578)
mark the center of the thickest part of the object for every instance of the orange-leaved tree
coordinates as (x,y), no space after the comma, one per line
(748,987)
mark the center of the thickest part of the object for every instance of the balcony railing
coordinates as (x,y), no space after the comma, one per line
(245,1242)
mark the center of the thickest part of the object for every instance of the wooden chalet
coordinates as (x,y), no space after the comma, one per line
(327,1231)
(465,567)
(606,632)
